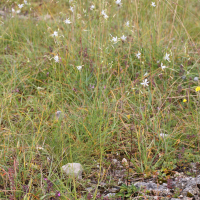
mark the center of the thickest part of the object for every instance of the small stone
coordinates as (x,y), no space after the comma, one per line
(73,169)
(196,78)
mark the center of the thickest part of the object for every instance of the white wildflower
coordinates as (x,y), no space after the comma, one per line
(18,11)
(40,88)
(127,24)
(55,34)
(67,21)
(123,38)
(162,66)
(145,83)
(104,14)
(13,10)
(25,2)
(138,55)
(71,8)
(118,2)
(20,6)
(163,135)
(79,67)
(92,7)
(166,57)
(56,58)
(114,39)
(146,74)
(153,4)
(58,114)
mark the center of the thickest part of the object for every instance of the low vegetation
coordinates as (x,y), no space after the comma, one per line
(125,75)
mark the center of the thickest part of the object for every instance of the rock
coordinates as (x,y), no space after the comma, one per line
(188,185)
(73,169)
(196,78)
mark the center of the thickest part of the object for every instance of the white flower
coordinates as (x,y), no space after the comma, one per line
(163,135)
(79,67)
(114,39)
(92,7)
(123,38)
(71,8)
(56,58)
(118,2)
(146,74)
(58,114)
(18,11)
(138,55)
(40,88)
(67,21)
(127,23)
(153,4)
(55,34)
(13,10)
(145,83)
(20,6)
(104,14)
(162,66)
(166,57)
(25,2)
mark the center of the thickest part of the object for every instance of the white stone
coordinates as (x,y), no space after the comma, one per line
(73,169)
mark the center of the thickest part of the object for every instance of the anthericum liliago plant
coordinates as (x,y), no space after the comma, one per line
(123,74)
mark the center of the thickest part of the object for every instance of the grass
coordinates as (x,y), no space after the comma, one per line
(104,101)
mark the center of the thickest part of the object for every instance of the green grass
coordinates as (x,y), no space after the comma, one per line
(99,100)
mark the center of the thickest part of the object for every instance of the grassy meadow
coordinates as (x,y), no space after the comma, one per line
(126,76)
